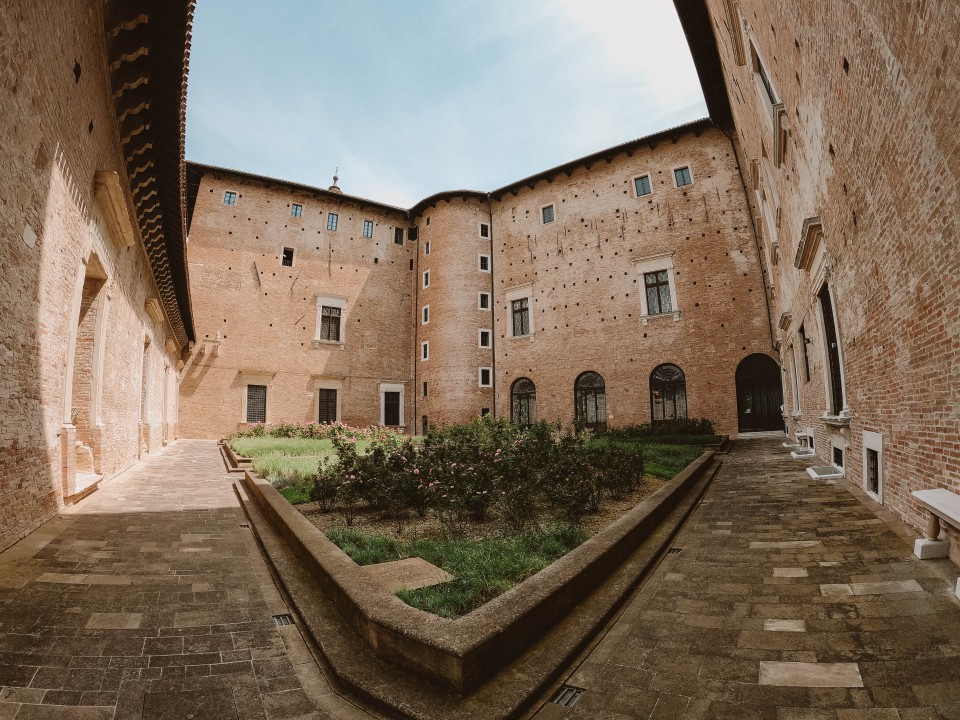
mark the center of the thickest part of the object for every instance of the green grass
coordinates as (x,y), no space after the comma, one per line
(296,494)
(661,459)
(483,569)
(253,447)
(288,462)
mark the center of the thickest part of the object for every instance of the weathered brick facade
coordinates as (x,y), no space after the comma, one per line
(845,115)
(75,276)
(413,314)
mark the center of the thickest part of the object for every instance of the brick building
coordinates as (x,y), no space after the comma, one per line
(844,116)
(621,287)
(94,297)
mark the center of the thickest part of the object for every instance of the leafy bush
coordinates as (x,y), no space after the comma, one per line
(684,426)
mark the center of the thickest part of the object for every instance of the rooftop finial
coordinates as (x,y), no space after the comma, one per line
(334,187)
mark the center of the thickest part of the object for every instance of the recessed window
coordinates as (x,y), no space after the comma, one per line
(424,388)
(327,410)
(368,228)
(425,350)
(590,400)
(838,456)
(484,263)
(484,230)
(486,339)
(296,210)
(426,278)
(398,236)
(426,248)
(486,377)
(483,301)
(391,404)
(803,352)
(520,313)
(657,286)
(332,219)
(330,323)
(286,260)
(682,176)
(256,404)
(424,425)
(547,214)
(668,393)
(523,401)
(229,198)
(425,314)
(642,185)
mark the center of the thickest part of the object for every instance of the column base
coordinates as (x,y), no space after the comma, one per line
(927,549)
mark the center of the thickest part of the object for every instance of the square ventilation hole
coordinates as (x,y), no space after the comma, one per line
(567,696)
(674,551)
(282,620)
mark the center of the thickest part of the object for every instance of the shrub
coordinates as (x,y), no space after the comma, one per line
(683,426)
(323,489)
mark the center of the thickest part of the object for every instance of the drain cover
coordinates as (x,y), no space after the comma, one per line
(283,619)
(674,551)
(567,695)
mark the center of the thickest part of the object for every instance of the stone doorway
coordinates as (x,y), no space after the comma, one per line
(759,394)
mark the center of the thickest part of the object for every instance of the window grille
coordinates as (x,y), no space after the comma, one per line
(256,403)
(330,323)
(521,317)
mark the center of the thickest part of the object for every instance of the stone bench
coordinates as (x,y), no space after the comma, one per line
(943,506)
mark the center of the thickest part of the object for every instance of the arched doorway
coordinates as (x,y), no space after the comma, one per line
(759,394)
(590,398)
(523,401)
(668,393)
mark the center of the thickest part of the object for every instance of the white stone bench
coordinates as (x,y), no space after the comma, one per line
(943,506)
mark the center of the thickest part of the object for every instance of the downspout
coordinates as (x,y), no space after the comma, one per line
(416,327)
(493,324)
(756,242)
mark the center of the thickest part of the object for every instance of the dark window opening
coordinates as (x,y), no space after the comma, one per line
(642,185)
(485,338)
(835,381)
(590,399)
(424,425)
(391,408)
(256,403)
(484,412)
(412,233)
(873,471)
(424,388)
(287,259)
(668,393)
(838,457)
(548,215)
(328,406)
(330,323)
(658,292)
(484,263)
(806,358)
(484,230)
(398,236)
(484,301)
(523,402)
(485,377)
(521,317)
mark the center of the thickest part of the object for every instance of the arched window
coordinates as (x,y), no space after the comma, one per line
(523,401)
(591,400)
(668,393)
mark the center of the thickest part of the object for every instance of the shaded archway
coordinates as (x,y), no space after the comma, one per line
(668,393)
(523,401)
(759,394)
(590,397)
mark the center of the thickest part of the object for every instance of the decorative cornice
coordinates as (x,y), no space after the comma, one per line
(810,237)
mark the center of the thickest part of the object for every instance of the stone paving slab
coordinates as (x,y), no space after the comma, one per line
(148,601)
(737,625)
(407,574)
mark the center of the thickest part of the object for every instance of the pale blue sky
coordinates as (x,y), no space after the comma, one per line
(412,97)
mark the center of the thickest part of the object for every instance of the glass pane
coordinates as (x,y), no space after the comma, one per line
(653,301)
(665,305)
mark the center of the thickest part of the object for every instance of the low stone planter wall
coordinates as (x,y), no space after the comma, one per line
(460,654)
(234,462)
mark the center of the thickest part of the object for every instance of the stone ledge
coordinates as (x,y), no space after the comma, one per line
(460,654)
(235,463)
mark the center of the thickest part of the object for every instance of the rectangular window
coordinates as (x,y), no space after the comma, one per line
(424,426)
(332,219)
(424,388)
(256,403)
(328,406)
(803,352)
(426,278)
(770,95)
(873,471)
(425,350)
(547,214)
(391,408)
(832,342)
(368,228)
(412,234)
(658,292)
(838,456)
(425,312)
(426,248)
(682,177)
(486,338)
(521,316)
(411,263)
(296,210)
(398,236)
(642,185)
(483,301)
(486,377)
(484,412)
(229,198)
(484,263)
(286,259)
(484,230)
(330,323)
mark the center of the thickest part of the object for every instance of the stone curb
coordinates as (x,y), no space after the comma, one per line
(460,654)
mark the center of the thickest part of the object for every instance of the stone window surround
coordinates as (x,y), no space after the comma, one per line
(255,377)
(873,441)
(368,228)
(426,279)
(425,315)
(383,389)
(296,210)
(293,256)
(844,417)
(480,226)
(480,295)
(544,207)
(337,302)
(647,175)
(480,377)
(424,351)
(518,293)
(480,259)
(326,383)
(679,166)
(489,344)
(657,263)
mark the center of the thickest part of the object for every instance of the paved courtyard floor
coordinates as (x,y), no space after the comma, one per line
(789,599)
(148,600)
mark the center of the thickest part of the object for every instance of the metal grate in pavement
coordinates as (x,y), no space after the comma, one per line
(567,695)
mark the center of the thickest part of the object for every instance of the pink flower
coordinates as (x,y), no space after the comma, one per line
(353,477)
(416,471)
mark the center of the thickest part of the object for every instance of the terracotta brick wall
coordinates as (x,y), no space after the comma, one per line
(59,128)
(870,96)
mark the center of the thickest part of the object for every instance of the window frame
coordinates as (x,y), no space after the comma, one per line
(333,301)
(682,166)
(489,371)
(480,332)
(333,219)
(592,391)
(248,378)
(657,263)
(680,385)
(426,279)
(230,195)
(321,383)
(283,252)
(553,212)
(522,292)
(398,234)
(246,403)
(649,182)
(296,210)
(480,230)
(424,350)
(368,228)
(529,397)
(480,296)
(480,258)
(425,315)
(383,389)
(426,247)
(873,441)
